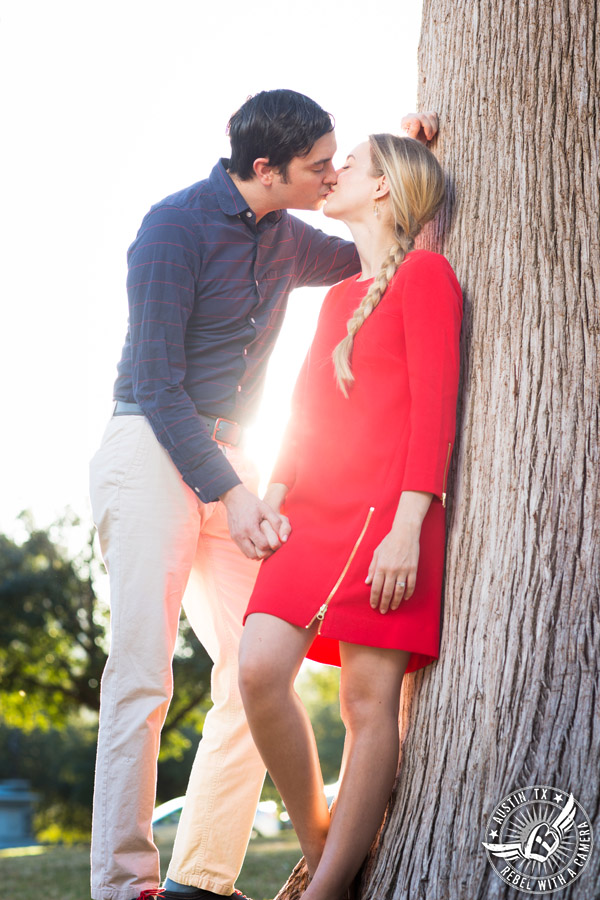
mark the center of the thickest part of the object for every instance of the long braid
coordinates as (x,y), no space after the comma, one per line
(416,192)
(343,352)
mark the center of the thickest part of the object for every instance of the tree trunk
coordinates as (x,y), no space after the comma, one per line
(513,700)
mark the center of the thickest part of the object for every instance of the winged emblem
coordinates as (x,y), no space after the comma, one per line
(543,840)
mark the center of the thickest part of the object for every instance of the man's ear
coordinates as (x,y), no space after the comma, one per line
(382,189)
(263,170)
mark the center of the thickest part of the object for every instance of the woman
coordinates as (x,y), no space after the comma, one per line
(362,477)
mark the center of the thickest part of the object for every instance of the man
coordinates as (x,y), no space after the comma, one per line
(209,275)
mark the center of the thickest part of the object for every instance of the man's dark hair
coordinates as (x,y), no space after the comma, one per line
(278,125)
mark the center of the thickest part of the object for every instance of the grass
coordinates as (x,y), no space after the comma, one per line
(54,873)
(268,863)
(63,873)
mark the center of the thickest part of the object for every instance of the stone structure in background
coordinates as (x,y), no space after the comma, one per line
(16,813)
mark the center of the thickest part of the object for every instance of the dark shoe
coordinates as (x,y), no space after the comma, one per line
(198,894)
(191,893)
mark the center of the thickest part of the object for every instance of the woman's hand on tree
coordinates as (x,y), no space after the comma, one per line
(421,126)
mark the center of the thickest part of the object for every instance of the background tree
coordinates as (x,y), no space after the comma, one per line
(53,642)
(54,634)
(514,699)
(319,688)
(52,648)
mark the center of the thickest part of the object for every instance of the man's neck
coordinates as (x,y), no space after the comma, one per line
(256,196)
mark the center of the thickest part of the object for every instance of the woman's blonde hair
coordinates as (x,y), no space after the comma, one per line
(416,192)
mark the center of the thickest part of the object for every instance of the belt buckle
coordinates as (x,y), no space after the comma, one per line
(217,425)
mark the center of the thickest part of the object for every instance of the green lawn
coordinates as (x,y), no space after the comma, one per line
(62,873)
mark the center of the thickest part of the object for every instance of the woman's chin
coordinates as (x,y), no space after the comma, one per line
(329,210)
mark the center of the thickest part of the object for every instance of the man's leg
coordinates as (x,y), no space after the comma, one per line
(148,521)
(228,773)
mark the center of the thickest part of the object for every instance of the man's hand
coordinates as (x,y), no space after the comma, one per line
(254,526)
(422,126)
(274,497)
(276,540)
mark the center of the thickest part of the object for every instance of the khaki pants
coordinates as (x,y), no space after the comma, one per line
(157,538)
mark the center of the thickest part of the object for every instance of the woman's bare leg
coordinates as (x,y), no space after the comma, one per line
(271,652)
(370,693)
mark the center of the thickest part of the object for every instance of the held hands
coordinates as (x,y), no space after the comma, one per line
(422,126)
(274,497)
(254,526)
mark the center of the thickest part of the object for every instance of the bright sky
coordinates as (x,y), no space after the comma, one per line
(106,108)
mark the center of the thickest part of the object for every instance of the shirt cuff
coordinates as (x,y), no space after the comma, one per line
(210,491)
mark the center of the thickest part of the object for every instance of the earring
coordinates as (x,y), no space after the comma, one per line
(375,210)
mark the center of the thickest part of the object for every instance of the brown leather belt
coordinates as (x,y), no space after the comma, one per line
(222,430)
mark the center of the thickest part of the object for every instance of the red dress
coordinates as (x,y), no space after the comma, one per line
(347,460)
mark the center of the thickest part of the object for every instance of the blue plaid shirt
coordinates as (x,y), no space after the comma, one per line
(208,289)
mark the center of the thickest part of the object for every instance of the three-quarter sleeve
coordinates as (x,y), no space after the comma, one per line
(432,314)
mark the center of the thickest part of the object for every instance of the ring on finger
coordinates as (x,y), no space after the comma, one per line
(401,584)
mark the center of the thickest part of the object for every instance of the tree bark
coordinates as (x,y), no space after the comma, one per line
(513,699)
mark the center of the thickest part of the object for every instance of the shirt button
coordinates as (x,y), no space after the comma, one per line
(249,214)
(239,388)
(245,351)
(252,320)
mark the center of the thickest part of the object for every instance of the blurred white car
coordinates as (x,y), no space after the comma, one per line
(166,818)
(330,791)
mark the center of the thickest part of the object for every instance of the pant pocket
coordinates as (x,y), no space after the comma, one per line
(122,452)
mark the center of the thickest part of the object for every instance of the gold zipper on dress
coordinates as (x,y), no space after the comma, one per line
(445,474)
(320,614)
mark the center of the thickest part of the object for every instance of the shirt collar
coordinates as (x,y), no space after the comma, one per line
(229,198)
